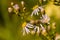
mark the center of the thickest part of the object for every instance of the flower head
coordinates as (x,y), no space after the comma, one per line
(16,7)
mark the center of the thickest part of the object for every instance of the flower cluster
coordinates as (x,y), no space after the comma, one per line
(40,26)
(16,8)
(13,7)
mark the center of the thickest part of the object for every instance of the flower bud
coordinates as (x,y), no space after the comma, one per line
(9,9)
(44,32)
(54,25)
(22,3)
(12,3)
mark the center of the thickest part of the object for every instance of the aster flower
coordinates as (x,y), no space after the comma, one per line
(45,19)
(35,11)
(16,7)
(41,8)
(27,30)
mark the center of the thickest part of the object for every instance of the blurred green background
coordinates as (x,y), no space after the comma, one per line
(12,30)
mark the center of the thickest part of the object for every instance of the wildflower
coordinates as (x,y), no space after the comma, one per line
(16,7)
(45,19)
(36,10)
(27,30)
(41,8)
